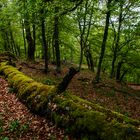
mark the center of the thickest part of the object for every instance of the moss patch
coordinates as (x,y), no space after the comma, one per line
(78,117)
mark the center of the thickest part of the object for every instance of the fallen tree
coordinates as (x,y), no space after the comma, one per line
(7,56)
(78,117)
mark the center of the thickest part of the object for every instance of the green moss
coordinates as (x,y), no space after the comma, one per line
(78,117)
(111,114)
(91,124)
(44,88)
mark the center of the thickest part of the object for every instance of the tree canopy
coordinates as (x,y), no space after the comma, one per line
(104,35)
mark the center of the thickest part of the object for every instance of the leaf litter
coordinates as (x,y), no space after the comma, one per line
(17,122)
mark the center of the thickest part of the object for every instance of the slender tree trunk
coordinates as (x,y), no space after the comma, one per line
(88,63)
(34,36)
(8,42)
(103,47)
(44,42)
(13,44)
(18,49)
(81,54)
(53,53)
(117,42)
(71,55)
(24,38)
(5,41)
(56,42)
(82,28)
(112,74)
(119,70)
(89,59)
(49,49)
(122,76)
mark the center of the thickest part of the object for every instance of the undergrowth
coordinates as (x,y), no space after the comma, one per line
(14,129)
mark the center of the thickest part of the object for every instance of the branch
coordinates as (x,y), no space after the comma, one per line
(66,80)
(72,9)
(124,43)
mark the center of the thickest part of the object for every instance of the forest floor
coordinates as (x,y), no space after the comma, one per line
(16,121)
(118,97)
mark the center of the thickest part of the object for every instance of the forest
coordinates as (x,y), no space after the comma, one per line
(70,69)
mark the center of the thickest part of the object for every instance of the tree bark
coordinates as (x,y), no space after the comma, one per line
(24,38)
(119,71)
(123,74)
(30,41)
(81,57)
(103,47)
(84,24)
(13,44)
(66,80)
(117,42)
(56,41)
(34,35)
(89,59)
(7,42)
(45,45)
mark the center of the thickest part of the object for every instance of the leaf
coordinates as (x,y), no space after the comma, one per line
(5,138)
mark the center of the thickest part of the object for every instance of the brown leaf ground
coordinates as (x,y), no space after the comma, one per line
(18,123)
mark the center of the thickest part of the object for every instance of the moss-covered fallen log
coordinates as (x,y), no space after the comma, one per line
(8,56)
(78,117)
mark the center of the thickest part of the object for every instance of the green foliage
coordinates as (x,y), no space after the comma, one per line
(13,14)
(48,82)
(1,125)
(12,90)
(15,128)
(111,93)
(4,138)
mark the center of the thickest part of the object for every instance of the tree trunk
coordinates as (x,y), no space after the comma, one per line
(112,74)
(24,38)
(18,49)
(30,41)
(117,42)
(13,44)
(34,35)
(7,42)
(89,59)
(44,42)
(53,54)
(66,80)
(103,47)
(81,56)
(123,74)
(56,41)
(71,55)
(118,70)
